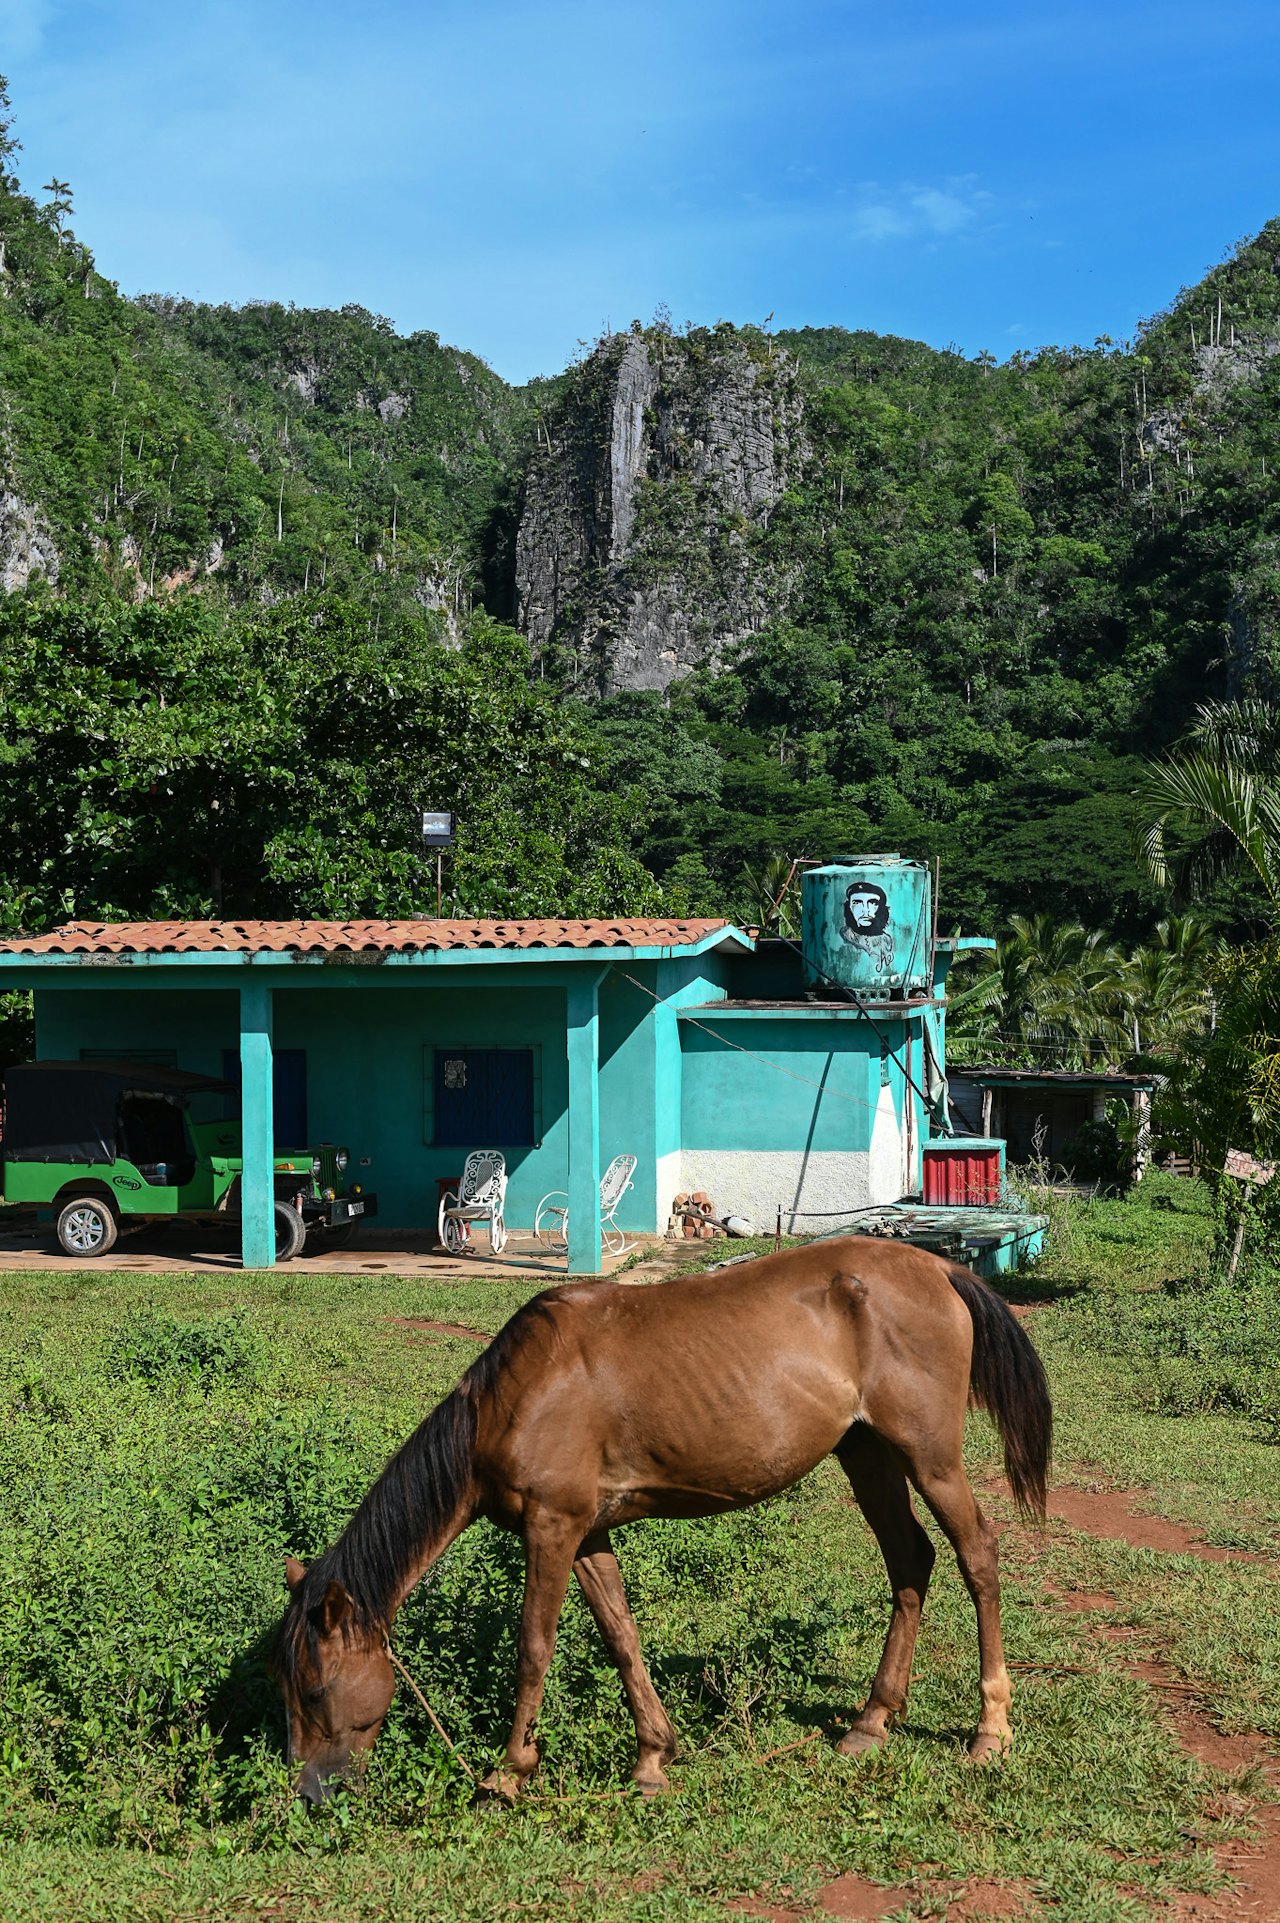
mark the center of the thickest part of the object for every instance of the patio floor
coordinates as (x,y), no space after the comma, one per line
(161,1251)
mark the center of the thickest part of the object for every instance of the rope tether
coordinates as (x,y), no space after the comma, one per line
(437,1725)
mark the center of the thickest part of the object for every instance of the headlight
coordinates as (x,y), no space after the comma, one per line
(316,1165)
(342,1158)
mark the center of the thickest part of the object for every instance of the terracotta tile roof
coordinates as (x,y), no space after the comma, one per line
(351,937)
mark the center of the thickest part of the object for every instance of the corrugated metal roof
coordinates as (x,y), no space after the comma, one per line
(354,937)
(992,1077)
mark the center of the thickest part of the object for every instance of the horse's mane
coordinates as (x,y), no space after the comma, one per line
(410,1504)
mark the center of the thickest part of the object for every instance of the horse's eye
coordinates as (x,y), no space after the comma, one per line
(313,1696)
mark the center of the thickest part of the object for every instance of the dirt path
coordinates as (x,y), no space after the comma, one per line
(1109,1515)
(440,1328)
(1254,1864)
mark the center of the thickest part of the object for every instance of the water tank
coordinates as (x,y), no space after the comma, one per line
(867,927)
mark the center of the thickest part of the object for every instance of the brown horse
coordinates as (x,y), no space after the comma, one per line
(597,1405)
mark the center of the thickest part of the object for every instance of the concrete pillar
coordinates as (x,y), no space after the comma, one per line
(585,1255)
(257,1182)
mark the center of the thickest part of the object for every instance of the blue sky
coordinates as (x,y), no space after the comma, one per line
(520,176)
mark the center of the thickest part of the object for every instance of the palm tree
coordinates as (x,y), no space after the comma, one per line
(1218,793)
(1164,993)
(1051,989)
(771,904)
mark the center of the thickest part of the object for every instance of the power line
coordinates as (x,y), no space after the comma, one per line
(836,1094)
(845,991)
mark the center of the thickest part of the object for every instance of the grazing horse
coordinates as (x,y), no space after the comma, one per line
(598,1405)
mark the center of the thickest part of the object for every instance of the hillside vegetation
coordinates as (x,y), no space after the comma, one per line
(966,604)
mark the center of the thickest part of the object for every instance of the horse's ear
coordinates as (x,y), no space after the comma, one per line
(294,1571)
(333,1609)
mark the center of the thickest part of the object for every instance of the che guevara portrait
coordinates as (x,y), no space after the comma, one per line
(866,924)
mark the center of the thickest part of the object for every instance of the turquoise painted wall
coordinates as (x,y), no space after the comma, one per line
(196,1023)
(731,1101)
(640,1072)
(627,1040)
(368,1072)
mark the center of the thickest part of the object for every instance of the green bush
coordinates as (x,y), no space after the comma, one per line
(1096,1153)
(152,1346)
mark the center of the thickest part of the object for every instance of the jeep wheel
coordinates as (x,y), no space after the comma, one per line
(86,1227)
(291,1232)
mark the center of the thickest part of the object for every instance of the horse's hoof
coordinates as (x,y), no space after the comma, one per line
(652,1783)
(985,1750)
(498,1787)
(860,1742)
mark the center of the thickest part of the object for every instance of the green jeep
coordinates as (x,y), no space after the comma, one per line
(114,1145)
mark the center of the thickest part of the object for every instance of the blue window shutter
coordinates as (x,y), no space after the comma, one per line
(483,1097)
(289,1106)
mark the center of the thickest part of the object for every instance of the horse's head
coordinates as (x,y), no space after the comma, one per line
(337,1682)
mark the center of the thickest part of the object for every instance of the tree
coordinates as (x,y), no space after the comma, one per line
(9,143)
(58,206)
(1219,793)
(770,896)
(1049,994)
(1214,803)
(1164,992)
(170,760)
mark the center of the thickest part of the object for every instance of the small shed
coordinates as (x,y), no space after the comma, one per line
(1038,1111)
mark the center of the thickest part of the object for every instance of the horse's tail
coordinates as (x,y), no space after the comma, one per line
(1007,1379)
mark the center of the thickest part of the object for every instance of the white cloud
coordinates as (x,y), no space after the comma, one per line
(941,213)
(914,211)
(878,221)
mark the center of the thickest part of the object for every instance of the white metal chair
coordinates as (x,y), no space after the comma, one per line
(481,1197)
(551,1218)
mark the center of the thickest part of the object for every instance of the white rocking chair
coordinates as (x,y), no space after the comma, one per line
(481,1197)
(551,1218)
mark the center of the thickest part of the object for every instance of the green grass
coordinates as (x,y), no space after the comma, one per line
(166,1439)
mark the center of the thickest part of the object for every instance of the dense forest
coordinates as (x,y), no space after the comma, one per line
(263,604)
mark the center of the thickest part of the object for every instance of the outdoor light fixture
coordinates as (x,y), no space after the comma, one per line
(437,830)
(437,833)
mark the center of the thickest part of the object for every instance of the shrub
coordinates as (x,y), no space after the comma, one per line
(152,1346)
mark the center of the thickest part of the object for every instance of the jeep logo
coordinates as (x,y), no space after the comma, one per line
(124,1182)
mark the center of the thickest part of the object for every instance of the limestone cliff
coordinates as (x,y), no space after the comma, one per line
(642,549)
(27,551)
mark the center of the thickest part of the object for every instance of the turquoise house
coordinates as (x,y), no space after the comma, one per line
(778,1080)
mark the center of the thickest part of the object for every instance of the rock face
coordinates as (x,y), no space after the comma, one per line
(27,552)
(642,549)
(1218,371)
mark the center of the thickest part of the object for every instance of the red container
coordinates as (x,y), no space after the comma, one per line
(962,1172)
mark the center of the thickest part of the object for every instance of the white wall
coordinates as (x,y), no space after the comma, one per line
(826,1183)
